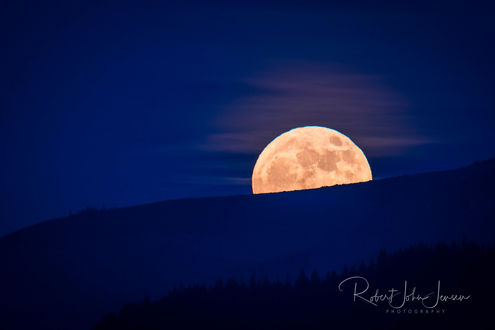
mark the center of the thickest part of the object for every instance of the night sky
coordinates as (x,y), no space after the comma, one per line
(116,103)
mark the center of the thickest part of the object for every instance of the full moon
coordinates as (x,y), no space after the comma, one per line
(309,157)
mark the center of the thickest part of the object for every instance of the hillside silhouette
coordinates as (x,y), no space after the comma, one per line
(67,273)
(315,302)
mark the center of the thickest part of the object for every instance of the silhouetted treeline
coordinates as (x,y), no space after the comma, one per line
(313,301)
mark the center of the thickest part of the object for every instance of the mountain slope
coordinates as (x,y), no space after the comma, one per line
(87,264)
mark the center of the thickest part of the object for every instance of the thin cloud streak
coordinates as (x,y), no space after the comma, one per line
(300,94)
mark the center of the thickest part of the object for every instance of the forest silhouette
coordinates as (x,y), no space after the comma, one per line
(313,301)
(67,273)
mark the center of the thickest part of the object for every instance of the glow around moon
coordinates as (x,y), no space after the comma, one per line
(309,157)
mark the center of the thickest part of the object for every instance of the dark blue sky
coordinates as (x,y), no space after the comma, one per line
(122,103)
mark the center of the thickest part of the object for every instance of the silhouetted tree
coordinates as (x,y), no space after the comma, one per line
(316,304)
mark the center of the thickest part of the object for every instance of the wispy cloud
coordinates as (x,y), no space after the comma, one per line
(299,94)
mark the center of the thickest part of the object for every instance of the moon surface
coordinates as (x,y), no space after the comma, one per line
(309,157)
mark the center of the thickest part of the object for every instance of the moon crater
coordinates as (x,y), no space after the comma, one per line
(309,157)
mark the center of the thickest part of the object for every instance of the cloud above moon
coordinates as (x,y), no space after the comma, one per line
(299,94)
(279,97)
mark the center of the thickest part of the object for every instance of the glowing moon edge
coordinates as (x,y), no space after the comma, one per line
(309,157)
